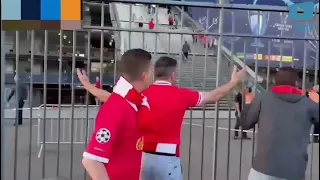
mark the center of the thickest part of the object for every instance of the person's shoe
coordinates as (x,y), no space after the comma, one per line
(235,137)
(246,138)
(16,124)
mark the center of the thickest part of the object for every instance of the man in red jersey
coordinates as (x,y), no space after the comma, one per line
(161,126)
(113,143)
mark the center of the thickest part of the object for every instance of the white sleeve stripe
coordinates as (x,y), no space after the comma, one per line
(200,99)
(95,157)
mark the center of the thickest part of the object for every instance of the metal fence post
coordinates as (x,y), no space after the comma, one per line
(3,69)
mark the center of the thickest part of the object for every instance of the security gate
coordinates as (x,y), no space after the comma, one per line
(53,137)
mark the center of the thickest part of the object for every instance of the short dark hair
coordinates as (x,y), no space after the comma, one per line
(286,76)
(249,89)
(164,67)
(134,62)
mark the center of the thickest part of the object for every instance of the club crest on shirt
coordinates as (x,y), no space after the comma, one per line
(103,135)
(139,144)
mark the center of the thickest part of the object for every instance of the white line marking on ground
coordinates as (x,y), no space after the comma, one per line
(220,128)
(226,129)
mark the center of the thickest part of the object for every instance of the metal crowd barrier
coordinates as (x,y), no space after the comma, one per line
(58,130)
(208,150)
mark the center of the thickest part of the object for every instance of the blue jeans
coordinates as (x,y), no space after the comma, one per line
(159,167)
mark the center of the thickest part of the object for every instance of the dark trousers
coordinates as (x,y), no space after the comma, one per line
(194,38)
(237,127)
(185,58)
(20,111)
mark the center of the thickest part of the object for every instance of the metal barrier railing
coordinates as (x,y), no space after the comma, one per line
(70,125)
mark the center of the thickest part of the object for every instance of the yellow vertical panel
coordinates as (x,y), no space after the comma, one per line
(70,10)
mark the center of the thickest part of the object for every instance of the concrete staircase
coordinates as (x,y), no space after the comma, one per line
(200,74)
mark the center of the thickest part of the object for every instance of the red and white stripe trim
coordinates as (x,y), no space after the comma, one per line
(200,99)
(95,157)
(163,83)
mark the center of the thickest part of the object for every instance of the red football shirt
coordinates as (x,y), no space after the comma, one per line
(162,124)
(151,25)
(114,139)
(98,84)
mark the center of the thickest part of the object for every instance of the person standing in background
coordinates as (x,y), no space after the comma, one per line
(151,24)
(176,23)
(21,94)
(140,22)
(185,50)
(194,37)
(170,21)
(97,85)
(153,8)
(314,96)
(239,108)
(169,9)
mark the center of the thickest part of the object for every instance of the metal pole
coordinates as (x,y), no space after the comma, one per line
(17,106)
(229,105)
(268,66)
(3,69)
(204,89)
(59,101)
(30,103)
(87,95)
(102,45)
(216,123)
(74,42)
(130,24)
(45,74)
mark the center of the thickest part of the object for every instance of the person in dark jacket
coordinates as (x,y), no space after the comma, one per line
(21,94)
(185,50)
(239,107)
(284,119)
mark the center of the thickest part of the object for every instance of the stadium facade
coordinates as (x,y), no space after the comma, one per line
(263,52)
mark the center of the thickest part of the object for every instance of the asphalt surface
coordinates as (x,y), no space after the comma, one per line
(200,154)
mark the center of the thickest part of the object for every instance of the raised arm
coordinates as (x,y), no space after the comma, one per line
(216,94)
(101,94)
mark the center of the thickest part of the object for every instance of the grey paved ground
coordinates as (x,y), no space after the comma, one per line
(199,164)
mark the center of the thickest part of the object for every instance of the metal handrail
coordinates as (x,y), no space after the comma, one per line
(225,50)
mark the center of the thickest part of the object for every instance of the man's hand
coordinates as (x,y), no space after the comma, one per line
(101,94)
(83,78)
(238,76)
(214,95)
